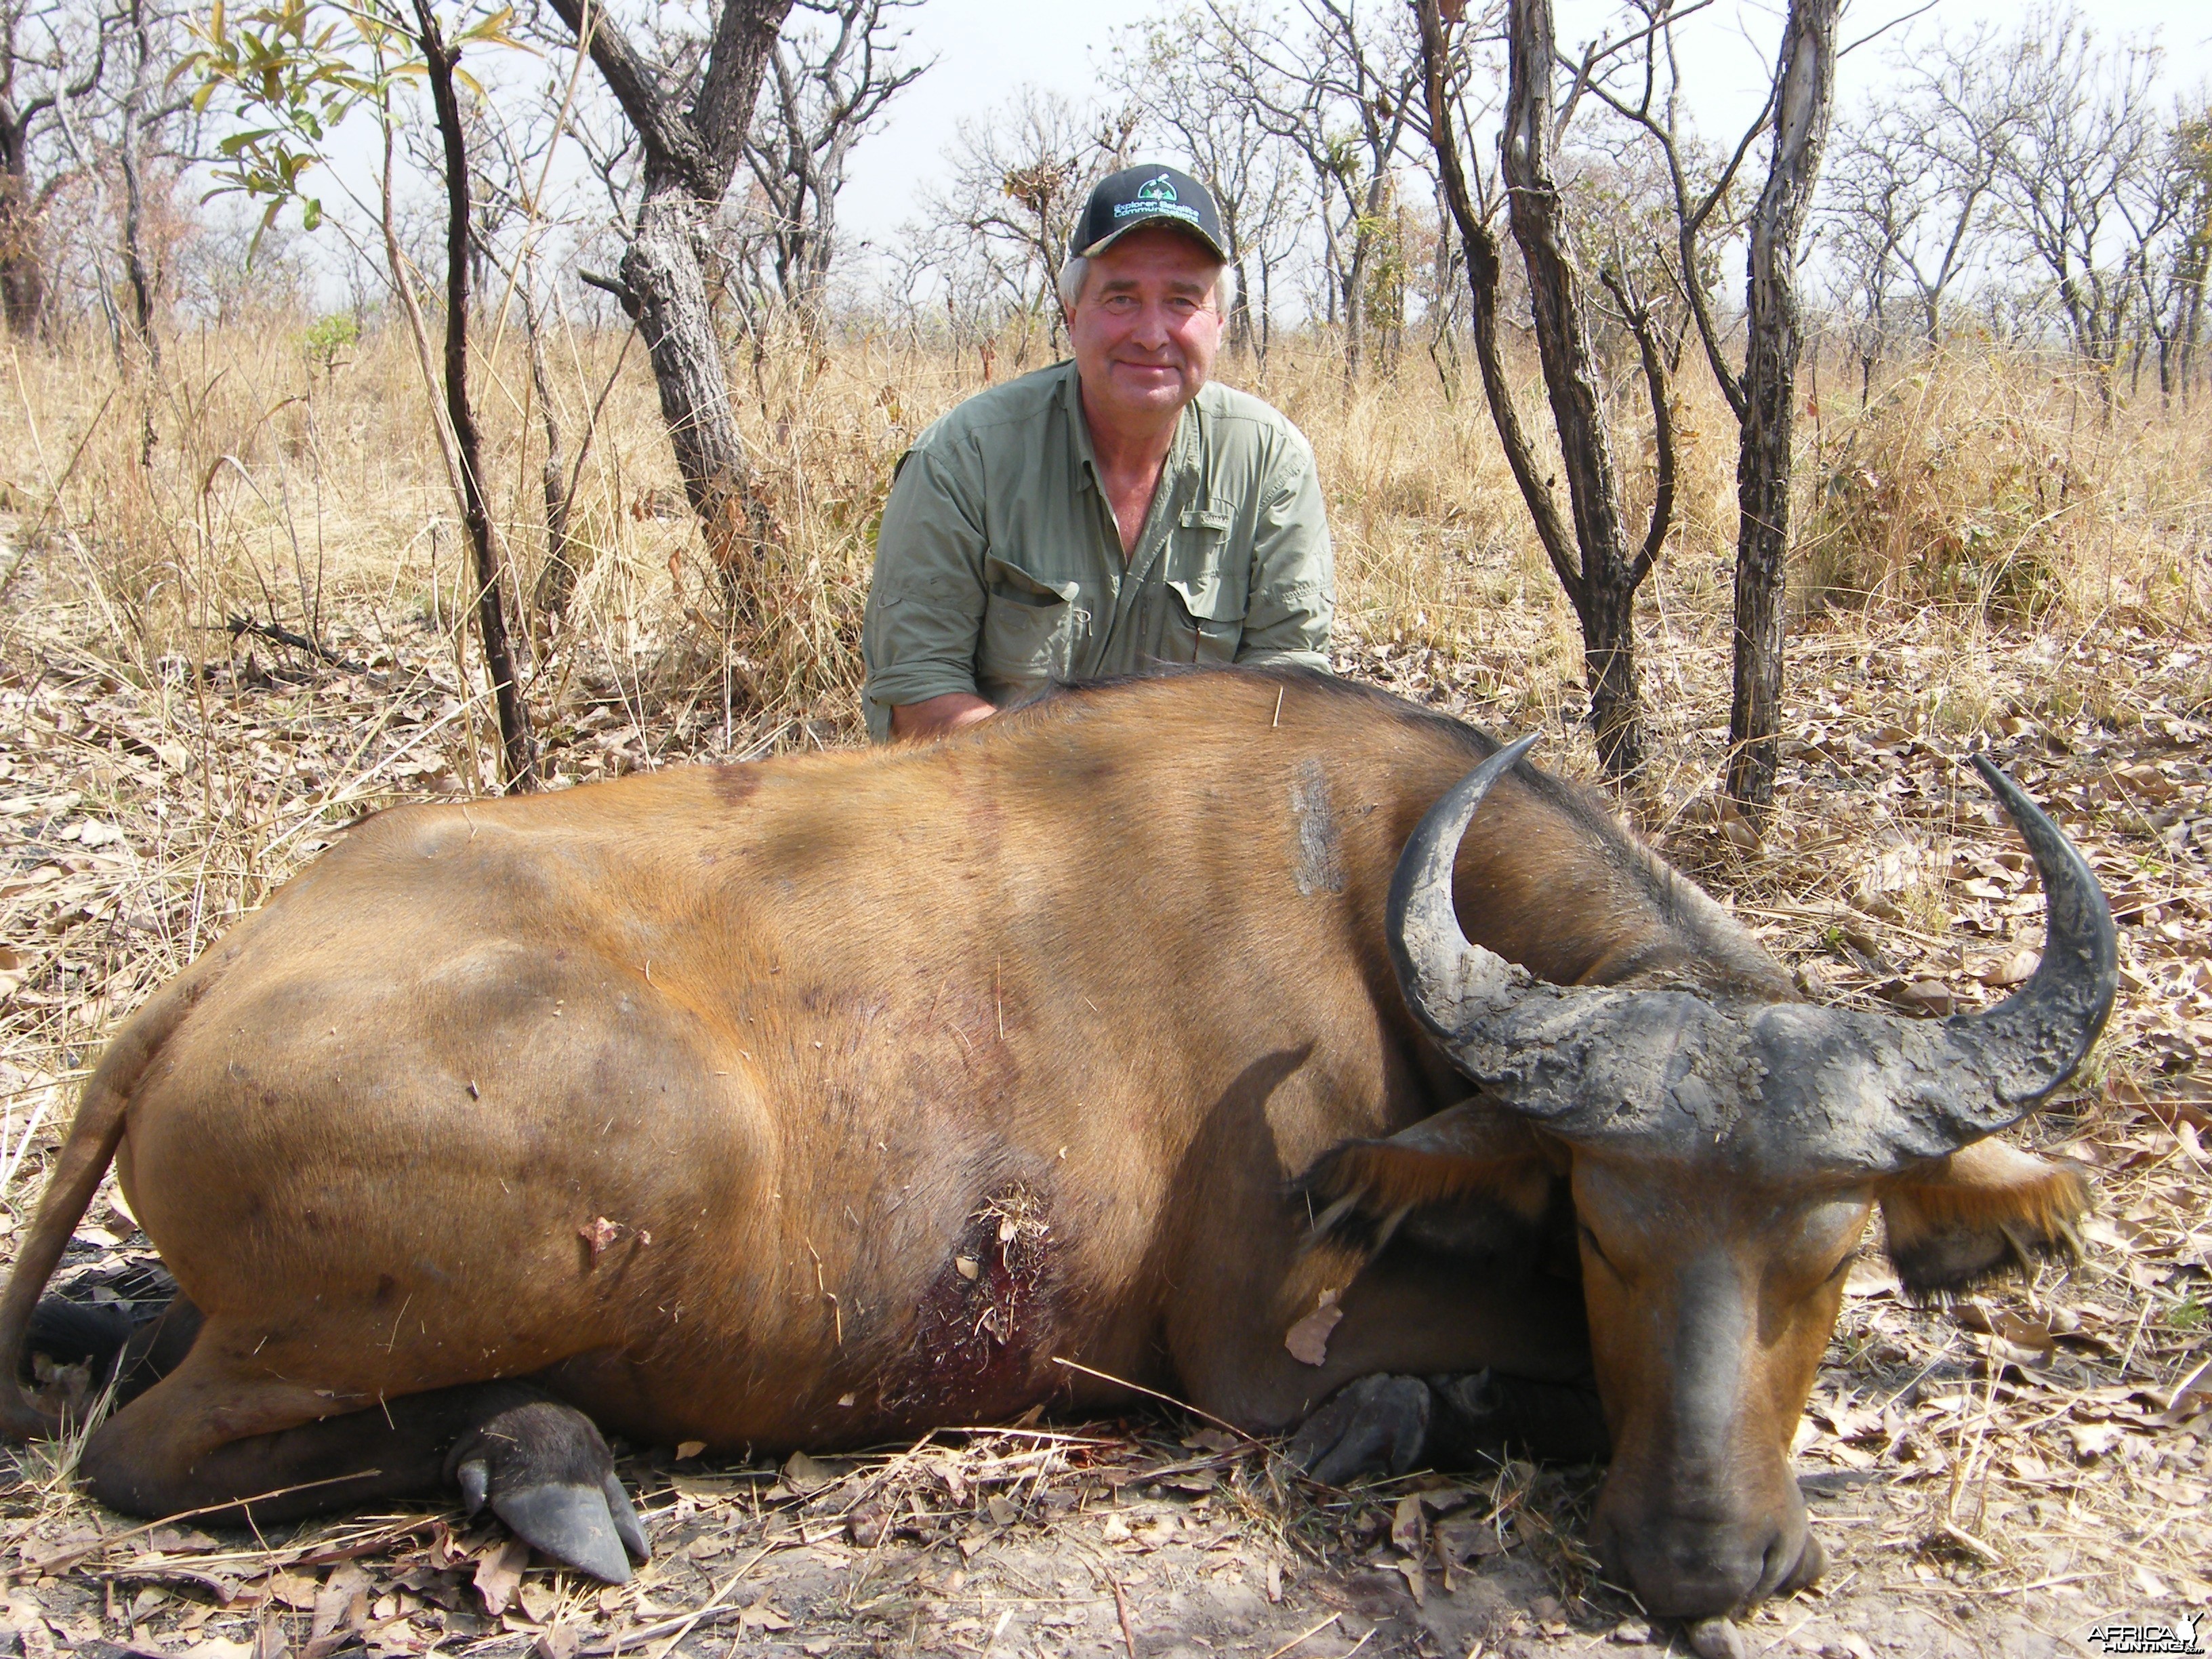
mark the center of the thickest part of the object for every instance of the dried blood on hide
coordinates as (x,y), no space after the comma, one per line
(981,1323)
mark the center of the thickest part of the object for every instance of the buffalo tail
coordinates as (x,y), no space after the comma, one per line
(76,1175)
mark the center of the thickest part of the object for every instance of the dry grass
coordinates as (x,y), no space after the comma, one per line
(1988,560)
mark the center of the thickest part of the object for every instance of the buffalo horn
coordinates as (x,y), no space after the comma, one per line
(1448,979)
(1586,1061)
(2006,1058)
(1791,1082)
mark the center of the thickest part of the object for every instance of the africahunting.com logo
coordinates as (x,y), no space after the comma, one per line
(2180,1637)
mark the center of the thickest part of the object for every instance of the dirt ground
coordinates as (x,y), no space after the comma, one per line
(1109,1539)
(2001,1477)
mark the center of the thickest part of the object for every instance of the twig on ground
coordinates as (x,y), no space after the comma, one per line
(1121,1607)
(1302,1635)
(50,1564)
(276,633)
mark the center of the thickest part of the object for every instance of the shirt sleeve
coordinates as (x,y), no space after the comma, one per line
(926,602)
(1293,592)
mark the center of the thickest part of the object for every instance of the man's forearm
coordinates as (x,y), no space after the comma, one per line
(933,717)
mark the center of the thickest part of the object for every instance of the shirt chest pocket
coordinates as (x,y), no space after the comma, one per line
(1205,600)
(1205,619)
(1030,625)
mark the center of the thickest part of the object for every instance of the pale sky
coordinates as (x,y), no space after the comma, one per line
(985,48)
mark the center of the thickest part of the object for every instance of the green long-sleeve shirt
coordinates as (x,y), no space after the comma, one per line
(998,566)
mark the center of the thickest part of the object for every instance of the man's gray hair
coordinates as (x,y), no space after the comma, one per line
(1071,276)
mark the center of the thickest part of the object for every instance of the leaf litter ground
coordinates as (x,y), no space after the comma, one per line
(1998,1477)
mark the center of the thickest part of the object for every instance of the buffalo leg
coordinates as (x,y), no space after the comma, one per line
(1382,1424)
(200,1439)
(102,1339)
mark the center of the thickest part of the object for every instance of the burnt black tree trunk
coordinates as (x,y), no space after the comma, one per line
(1595,565)
(1805,92)
(516,744)
(690,157)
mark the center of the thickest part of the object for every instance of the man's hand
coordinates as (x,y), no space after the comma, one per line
(933,717)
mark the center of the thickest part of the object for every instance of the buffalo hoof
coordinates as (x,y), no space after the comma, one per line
(133,1355)
(1376,1426)
(545,1470)
(89,1335)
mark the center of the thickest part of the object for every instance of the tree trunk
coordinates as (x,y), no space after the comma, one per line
(556,578)
(1593,564)
(1805,77)
(662,271)
(2188,327)
(1355,308)
(1606,596)
(1267,308)
(690,155)
(133,251)
(518,749)
(23,264)
(134,203)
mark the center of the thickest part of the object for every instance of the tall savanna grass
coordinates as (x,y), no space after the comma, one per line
(259,474)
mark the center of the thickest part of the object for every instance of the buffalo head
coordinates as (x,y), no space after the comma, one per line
(1724,1156)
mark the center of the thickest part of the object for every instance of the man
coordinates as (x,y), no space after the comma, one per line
(1108,514)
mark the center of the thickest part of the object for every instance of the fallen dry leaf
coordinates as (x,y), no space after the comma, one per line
(803,1475)
(1467,1538)
(2093,1440)
(1406,1525)
(295,1590)
(538,1598)
(1308,1339)
(1416,1581)
(499,1575)
(343,1601)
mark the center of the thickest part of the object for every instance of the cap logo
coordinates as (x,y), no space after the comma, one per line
(1156,199)
(1117,206)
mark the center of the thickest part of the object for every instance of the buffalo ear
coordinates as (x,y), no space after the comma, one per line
(1985,1211)
(1475,1177)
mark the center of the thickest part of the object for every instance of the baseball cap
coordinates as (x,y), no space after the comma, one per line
(1137,196)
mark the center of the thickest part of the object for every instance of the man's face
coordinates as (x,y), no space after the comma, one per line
(1144,329)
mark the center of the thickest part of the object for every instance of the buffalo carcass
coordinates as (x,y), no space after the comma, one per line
(816,1101)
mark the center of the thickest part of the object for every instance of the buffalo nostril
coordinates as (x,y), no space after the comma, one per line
(1775,1567)
(1793,1559)
(1811,1562)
